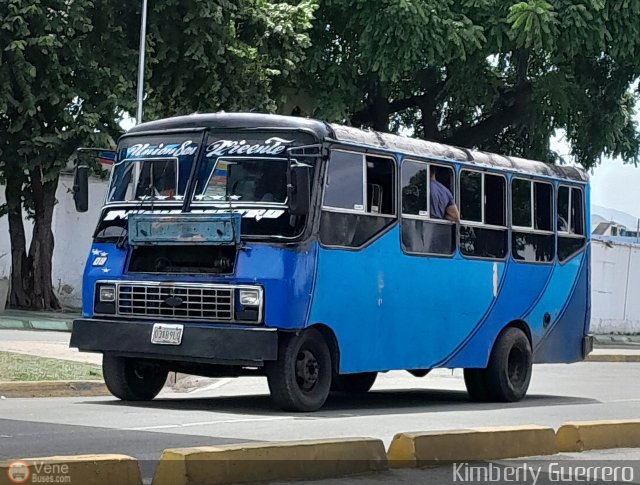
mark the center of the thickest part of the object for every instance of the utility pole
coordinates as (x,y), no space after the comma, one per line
(141,61)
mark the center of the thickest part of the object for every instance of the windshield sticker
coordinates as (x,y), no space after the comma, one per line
(271,146)
(256,214)
(188,148)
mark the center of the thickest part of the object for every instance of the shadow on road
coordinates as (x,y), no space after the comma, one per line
(348,405)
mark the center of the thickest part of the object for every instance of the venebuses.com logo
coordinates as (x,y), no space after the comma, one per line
(18,472)
(38,472)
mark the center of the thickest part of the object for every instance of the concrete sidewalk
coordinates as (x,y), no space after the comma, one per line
(44,344)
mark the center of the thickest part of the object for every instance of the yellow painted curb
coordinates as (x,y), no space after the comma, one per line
(53,389)
(83,469)
(613,358)
(261,462)
(409,450)
(598,435)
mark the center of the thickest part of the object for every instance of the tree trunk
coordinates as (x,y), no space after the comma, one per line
(42,243)
(20,277)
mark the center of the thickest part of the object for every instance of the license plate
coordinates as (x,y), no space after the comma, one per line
(164,334)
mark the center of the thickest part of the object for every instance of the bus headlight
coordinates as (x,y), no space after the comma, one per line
(105,299)
(250,298)
(107,294)
(249,303)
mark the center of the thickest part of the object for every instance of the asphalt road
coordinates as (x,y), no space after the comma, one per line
(239,410)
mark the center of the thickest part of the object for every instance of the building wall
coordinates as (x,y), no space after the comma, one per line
(615,286)
(72,232)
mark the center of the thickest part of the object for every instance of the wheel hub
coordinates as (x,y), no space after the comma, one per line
(307,370)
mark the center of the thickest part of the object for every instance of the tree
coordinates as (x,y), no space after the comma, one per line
(212,55)
(490,74)
(67,72)
(63,76)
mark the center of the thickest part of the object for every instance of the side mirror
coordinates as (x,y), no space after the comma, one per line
(81,188)
(299,190)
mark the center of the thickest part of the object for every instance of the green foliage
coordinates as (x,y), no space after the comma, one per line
(63,79)
(210,55)
(481,73)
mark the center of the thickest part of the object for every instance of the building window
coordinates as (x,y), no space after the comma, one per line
(425,229)
(532,237)
(483,231)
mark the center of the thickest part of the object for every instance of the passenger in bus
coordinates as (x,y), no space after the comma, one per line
(443,205)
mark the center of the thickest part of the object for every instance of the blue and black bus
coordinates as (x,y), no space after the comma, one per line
(307,252)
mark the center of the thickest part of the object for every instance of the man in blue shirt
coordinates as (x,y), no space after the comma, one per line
(443,205)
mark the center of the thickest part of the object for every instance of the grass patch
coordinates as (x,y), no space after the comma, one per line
(20,367)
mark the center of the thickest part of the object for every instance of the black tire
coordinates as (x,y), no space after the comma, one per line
(508,374)
(132,379)
(474,380)
(300,379)
(353,383)
(510,366)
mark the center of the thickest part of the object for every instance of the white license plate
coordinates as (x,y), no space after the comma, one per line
(164,334)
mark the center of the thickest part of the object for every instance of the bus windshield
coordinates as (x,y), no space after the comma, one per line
(243,180)
(152,167)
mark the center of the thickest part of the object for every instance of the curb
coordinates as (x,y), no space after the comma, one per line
(84,469)
(295,460)
(613,358)
(598,435)
(41,325)
(317,459)
(21,389)
(411,450)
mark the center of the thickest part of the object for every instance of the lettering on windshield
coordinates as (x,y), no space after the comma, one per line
(256,214)
(271,146)
(139,150)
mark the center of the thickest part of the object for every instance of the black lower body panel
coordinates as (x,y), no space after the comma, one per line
(207,344)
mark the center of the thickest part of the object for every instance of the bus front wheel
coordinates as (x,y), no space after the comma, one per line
(353,383)
(300,379)
(132,379)
(507,377)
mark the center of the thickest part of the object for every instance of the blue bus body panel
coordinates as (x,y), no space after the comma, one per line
(554,295)
(286,275)
(389,310)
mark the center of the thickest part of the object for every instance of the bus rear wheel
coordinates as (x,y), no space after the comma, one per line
(507,377)
(132,379)
(353,383)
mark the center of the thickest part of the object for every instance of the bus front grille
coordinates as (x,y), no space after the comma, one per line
(192,302)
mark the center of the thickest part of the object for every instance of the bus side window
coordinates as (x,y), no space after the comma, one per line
(423,232)
(483,228)
(571,227)
(563,209)
(380,185)
(344,182)
(532,237)
(359,199)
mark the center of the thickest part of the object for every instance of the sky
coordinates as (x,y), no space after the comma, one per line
(614,184)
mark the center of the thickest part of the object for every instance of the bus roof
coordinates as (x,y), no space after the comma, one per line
(400,144)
